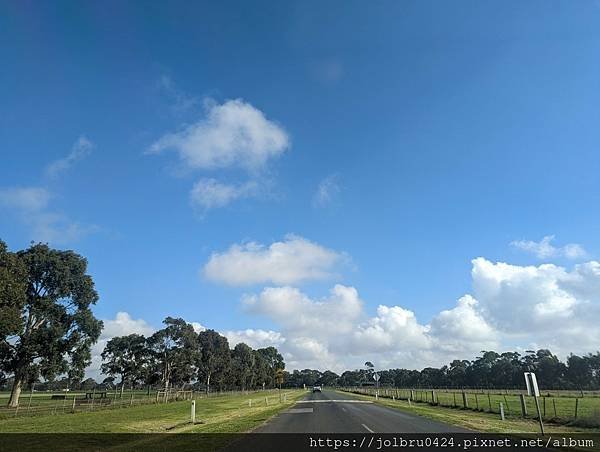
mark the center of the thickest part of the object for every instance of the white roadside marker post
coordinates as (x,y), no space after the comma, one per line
(193,412)
(533,390)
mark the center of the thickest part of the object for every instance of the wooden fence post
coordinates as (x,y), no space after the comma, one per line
(576,406)
(501,411)
(465,401)
(523,405)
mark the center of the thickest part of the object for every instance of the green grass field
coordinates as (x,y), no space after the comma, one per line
(489,421)
(226,413)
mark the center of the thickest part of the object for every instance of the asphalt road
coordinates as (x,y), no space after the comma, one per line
(336,412)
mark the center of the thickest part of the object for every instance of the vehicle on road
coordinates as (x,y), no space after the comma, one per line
(316,389)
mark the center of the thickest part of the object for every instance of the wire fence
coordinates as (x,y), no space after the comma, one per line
(561,409)
(44,404)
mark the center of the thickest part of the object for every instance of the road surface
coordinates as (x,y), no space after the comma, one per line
(337,412)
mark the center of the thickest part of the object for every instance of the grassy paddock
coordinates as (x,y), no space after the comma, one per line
(45,403)
(227,413)
(483,419)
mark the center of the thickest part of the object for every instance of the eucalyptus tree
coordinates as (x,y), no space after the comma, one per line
(214,357)
(174,352)
(46,324)
(127,357)
(243,362)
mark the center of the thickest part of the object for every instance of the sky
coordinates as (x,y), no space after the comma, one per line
(403,182)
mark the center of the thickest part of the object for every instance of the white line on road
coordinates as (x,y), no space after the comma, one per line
(368,429)
(334,401)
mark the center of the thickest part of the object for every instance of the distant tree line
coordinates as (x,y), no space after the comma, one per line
(490,370)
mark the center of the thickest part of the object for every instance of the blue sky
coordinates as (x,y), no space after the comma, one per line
(401,139)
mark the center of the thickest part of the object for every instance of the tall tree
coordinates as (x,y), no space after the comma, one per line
(214,356)
(125,356)
(242,363)
(174,351)
(51,330)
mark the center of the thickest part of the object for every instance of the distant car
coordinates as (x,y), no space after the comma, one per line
(316,388)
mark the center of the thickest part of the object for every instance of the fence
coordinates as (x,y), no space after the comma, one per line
(561,409)
(43,404)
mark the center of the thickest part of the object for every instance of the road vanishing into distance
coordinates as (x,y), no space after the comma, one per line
(337,412)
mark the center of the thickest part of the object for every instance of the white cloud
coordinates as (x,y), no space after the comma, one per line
(255,338)
(233,134)
(291,261)
(544,248)
(25,198)
(327,191)
(210,193)
(80,149)
(463,329)
(511,307)
(547,304)
(198,327)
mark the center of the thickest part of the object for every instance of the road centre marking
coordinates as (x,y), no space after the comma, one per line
(299,410)
(334,401)
(368,429)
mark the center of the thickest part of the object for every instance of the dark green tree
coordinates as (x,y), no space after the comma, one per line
(242,364)
(173,351)
(214,357)
(54,329)
(127,357)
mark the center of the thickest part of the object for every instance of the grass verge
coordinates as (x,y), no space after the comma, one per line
(226,414)
(475,420)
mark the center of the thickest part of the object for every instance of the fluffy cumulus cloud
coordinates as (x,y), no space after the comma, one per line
(291,261)
(255,338)
(511,307)
(544,249)
(546,304)
(233,134)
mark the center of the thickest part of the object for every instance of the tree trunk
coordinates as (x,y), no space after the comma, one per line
(208,383)
(122,387)
(15,393)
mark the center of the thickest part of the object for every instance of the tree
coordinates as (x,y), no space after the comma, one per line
(271,360)
(50,330)
(214,356)
(174,352)
(242,363)
(88,384)
(125,356)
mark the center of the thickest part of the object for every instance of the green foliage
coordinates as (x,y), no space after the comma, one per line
(127,357)
(214,358)
(174,353)
(49,329)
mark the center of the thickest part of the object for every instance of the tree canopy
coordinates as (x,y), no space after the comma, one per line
(47,327)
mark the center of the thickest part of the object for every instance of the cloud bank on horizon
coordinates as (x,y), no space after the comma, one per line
(511,307)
